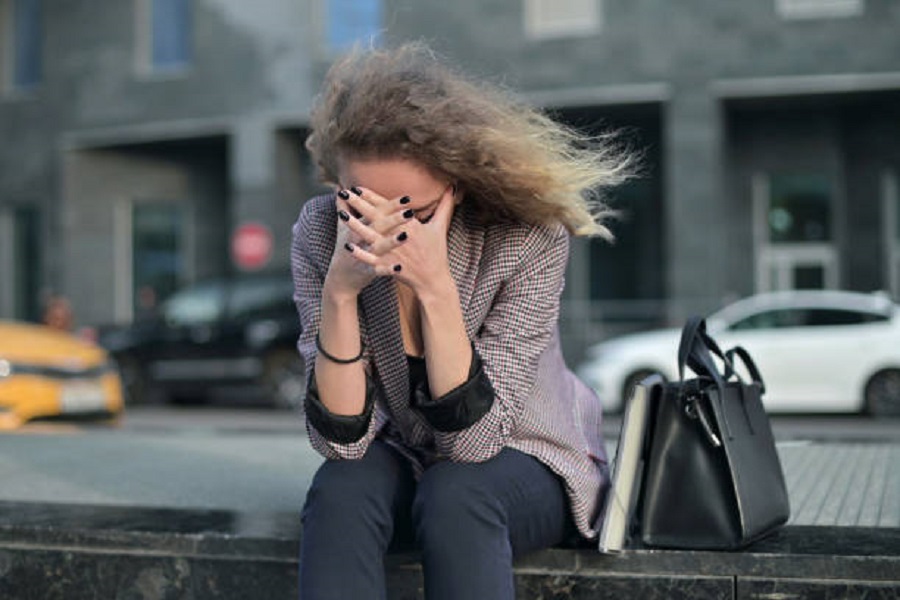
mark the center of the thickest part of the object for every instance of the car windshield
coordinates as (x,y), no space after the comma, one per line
(256,297)
(804,317)
(198,305)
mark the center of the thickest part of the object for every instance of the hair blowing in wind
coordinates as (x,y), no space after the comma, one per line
(511,161)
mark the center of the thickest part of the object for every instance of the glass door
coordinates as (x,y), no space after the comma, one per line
(157,253)
(794,231)
(20,263)
(153,255)
(891,211)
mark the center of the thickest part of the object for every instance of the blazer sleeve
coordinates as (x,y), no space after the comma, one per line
(312,244)
(517,330)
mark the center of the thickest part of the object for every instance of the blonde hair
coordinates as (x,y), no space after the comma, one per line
(512,162)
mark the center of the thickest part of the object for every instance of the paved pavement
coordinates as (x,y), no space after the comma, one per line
(829,482)
(842,483)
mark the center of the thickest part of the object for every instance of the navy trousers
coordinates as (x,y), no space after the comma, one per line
(468,519)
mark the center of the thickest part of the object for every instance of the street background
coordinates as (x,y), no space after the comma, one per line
(253,460)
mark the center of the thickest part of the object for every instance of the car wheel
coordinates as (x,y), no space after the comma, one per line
(284,378)
(134,380)
(883,394)
(632,380)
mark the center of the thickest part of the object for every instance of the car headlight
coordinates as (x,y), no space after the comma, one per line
(5,368)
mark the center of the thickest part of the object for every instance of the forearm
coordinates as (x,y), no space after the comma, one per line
(448,351)
(342,387)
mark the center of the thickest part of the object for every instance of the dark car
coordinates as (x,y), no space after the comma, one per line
(224,333)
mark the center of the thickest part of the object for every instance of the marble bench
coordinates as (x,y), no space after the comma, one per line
(74,552)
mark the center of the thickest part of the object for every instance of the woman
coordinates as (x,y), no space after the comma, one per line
(428,288)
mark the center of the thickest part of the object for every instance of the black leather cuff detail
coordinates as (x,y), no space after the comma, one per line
(341,429)
(461,407)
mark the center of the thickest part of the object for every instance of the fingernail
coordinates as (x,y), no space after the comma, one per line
(343,194)
(397,268)
(343,215)
(408,213)
(402,236)
(405,200)
(349,247)
(356,190)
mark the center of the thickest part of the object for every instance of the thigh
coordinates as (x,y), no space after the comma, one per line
(352,511)
(531,499)
(377,487)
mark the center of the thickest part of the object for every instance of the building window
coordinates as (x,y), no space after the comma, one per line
(21,43)
(819,9)
(166,28)
(352,21)
(562,18)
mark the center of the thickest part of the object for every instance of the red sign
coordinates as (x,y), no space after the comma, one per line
(251,246)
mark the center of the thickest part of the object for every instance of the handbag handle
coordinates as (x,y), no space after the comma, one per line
(695,350)
(745,357)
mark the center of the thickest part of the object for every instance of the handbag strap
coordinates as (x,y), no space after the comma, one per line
(745,357)
(695,350)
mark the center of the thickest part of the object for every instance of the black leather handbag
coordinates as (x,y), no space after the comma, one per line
(713,479)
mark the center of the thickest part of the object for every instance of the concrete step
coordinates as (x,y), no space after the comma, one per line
(75,552)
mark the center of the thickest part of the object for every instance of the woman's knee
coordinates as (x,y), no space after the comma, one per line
(350,489)
(450,498)
(333,484)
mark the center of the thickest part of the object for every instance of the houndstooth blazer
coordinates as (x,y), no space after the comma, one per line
(509,279)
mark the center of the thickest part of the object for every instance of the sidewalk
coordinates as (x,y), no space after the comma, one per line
(843,484)
(829,483)
(125,514)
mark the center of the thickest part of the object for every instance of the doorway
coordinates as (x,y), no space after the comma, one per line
(154,254)
(794,231)
(891,233)
(21,263)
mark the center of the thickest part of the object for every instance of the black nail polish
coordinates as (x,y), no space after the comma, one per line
(397,268)
(343,215)
(349,247)
(402,236)
(343,194)
(408,213)
(405,200)
(356,190)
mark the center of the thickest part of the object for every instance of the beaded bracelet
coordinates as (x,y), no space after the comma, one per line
(334,359)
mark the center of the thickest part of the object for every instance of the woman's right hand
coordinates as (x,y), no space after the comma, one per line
(368,221)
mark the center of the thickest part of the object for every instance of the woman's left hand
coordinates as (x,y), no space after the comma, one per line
(422,258)
(421,261)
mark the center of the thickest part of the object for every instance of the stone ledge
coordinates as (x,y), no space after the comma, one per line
(85,552)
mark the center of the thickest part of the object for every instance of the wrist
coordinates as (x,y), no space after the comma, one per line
(337,297)
(438,290)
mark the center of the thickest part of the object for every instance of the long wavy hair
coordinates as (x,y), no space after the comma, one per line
(511,161)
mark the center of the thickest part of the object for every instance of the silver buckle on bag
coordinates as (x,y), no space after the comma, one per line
(693,410)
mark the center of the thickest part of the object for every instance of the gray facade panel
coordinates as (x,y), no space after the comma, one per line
(256,66)
(698,240)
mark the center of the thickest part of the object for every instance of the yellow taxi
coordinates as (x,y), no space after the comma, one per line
(46,372)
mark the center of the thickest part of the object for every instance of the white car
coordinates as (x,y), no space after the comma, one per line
(817,351)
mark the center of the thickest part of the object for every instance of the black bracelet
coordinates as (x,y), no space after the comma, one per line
(334,359)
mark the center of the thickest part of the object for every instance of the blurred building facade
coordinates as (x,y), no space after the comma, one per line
(140,135)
